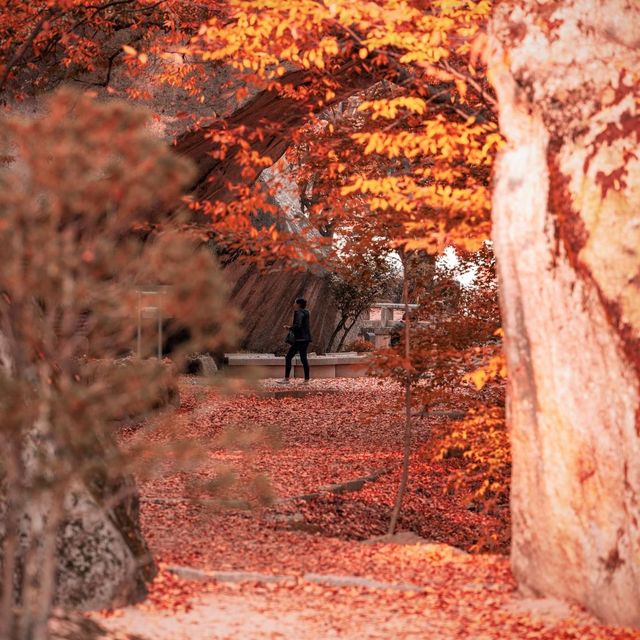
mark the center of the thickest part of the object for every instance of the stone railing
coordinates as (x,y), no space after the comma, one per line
(385,314)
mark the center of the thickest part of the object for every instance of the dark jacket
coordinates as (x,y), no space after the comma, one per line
(300,326)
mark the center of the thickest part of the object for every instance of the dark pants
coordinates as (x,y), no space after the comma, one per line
(298,346)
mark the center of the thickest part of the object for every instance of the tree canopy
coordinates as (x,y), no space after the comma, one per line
(412,149)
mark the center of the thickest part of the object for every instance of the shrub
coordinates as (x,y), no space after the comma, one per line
(360,345)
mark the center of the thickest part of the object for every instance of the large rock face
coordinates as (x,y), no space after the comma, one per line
(266,301)
(567,239)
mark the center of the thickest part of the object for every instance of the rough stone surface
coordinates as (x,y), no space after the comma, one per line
(567,238)
(102,559)
(266,301)
(202,364)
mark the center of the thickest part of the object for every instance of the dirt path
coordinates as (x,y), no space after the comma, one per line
(333,580)
(459,596)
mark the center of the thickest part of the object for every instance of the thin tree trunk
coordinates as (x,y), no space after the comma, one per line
(345,333)
(335,333)
(404,477)
(10,542)
(48,557)
(43,508)
(12,463)
(40,571)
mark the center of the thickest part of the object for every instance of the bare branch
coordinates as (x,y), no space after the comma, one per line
(21,50)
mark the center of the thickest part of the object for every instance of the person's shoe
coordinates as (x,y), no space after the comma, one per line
(307,381)
(283,381)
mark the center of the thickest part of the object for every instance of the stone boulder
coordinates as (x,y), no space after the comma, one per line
(102,560)
(201,364)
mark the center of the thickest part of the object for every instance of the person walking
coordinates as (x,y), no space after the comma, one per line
(301,339)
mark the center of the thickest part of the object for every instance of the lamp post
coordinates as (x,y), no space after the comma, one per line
(149,311)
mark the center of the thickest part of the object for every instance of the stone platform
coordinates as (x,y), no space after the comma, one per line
(268,365)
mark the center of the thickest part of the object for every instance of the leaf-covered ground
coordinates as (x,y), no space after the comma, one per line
(298,526)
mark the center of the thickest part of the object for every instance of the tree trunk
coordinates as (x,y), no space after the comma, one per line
(567,239)
(408,422)
(72,542)
(345,332)
(335,333)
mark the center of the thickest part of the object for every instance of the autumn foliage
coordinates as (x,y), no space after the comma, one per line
(379,117)
(394,151)
(414,147)
(82,236)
